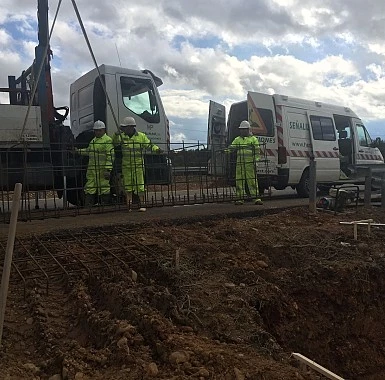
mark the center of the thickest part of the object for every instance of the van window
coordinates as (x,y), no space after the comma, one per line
(261,122)
(237,113)
(139,97)
(322,128)
(364,138)
(346,130)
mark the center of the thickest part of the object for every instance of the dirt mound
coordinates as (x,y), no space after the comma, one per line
(227,299)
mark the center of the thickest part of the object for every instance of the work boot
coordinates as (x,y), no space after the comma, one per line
(258,201)
(89,200)
(142,203)
(129,200)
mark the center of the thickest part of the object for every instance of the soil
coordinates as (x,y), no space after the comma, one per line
(217,299)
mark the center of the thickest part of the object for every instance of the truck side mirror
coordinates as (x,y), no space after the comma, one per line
(152,101)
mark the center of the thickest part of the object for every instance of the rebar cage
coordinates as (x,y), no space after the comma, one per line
(56,182)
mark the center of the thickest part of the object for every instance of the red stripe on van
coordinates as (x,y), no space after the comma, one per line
(278,113)
(307,153)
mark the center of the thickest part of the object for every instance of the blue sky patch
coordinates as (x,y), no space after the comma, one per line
(200,43)
(376,128)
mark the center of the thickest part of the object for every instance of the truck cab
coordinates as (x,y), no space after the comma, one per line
(114,94)
(130,93)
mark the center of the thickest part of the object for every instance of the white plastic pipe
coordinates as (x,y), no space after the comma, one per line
(318,368)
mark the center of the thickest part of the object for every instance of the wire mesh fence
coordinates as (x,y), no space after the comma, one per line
(106,177)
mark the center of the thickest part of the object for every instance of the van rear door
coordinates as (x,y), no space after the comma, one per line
(216,138)
(261,110)
(261,113)
(324,146)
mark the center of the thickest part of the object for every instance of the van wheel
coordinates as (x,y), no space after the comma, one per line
(303,188)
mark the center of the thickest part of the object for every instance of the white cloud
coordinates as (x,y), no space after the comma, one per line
(377,48)
(185,103)
(177,137)
(206,49)
(5,38)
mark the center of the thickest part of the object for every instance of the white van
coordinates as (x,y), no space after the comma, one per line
(292,130)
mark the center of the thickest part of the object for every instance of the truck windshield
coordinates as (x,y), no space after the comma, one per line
(139,97)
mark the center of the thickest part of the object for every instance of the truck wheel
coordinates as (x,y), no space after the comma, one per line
(303,188)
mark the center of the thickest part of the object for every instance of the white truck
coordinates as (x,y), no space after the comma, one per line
(292,131)
(128,93)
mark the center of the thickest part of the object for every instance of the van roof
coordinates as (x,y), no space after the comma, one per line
(284,100)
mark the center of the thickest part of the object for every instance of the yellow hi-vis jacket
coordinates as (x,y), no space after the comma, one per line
(133,149)
(248,153)
(101,153)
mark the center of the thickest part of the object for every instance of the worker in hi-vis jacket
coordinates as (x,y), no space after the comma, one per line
(133,144)
(247,148)
(100,152)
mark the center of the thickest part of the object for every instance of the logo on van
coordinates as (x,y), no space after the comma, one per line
(299,125)
(266,140)
(150,126)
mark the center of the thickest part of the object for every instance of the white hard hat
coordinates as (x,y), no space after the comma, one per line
(128,121)
(99,125)
(244,125)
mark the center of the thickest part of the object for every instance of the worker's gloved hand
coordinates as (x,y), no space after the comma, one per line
(107,174)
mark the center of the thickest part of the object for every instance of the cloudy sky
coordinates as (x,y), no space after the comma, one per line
(217,50)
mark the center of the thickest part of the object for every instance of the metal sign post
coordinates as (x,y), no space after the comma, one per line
(312,186)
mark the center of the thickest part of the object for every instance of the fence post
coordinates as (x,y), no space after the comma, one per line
(312,185)
(65,192)
(8,255)
(368,187)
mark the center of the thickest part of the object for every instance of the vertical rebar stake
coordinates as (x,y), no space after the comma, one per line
(383,191)
(8,255)
(368,188)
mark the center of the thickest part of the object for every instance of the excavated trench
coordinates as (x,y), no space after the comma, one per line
(215,299)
